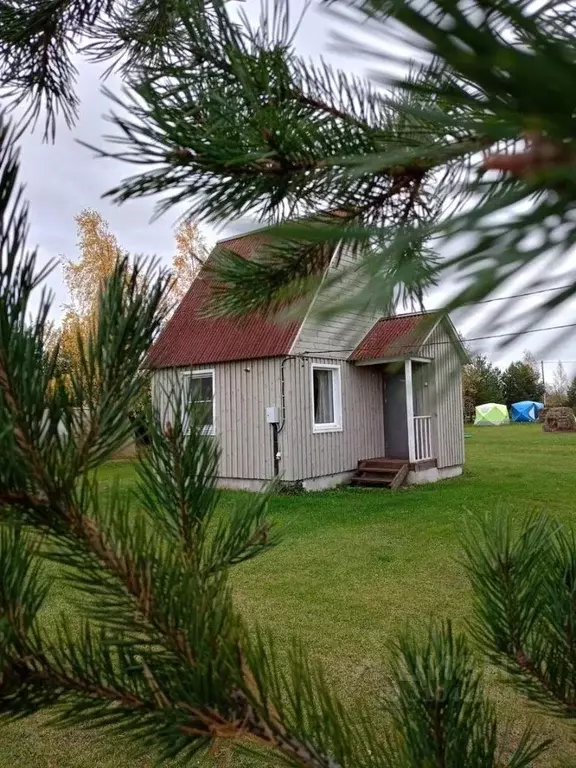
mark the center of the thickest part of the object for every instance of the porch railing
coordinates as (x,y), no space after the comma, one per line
(422,438)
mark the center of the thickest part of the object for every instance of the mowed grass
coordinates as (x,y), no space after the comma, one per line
(352,569)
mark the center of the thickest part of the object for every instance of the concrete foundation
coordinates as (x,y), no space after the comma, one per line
(323,483)
(432,475)
(326,481)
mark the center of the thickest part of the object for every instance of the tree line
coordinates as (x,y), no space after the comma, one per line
(484,382)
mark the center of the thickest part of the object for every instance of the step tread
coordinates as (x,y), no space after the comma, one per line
(370,481)
(378,470)
(384,477)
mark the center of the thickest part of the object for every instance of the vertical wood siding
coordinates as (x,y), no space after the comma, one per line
(447,394)
(337,336)
(165,384)
(306,454)
(423,386)
(242,391)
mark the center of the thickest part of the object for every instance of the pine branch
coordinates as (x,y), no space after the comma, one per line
(36,64)
(524,583)
(140,577)
(436,687)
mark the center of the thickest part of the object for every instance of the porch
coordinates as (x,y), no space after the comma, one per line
(409,426)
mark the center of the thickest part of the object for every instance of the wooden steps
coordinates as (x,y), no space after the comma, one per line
(383,473)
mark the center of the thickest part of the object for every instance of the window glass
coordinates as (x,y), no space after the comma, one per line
(201,396)
(323,396)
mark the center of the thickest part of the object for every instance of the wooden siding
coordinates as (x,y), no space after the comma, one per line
(423,386)
(242,391)
(306,454)
(337,336)
(448,429)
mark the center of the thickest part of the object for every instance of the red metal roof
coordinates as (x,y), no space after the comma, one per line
(192,338)
(397,336)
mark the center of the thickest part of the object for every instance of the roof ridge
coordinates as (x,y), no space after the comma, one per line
(298,220)
(243,234)
(410,314)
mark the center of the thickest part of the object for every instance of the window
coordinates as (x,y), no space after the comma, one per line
(326,398)
(201,396)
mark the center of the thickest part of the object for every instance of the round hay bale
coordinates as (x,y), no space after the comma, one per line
(559,420)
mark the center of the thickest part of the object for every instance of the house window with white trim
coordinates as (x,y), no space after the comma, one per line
(326,398)
(201,397)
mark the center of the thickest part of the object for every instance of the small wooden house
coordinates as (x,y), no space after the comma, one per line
(375,400)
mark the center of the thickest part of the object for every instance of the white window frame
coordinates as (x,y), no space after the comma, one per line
(203,373)
(336,425)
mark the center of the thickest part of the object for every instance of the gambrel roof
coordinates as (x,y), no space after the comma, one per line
(192,337)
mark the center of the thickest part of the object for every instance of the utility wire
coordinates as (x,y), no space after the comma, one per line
(520,333)
(400,347)
(527,293)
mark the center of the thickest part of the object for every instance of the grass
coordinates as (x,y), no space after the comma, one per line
(353,568)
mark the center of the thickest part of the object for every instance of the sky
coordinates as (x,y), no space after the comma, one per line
(63,178)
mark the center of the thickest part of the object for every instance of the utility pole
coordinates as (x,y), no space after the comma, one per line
(543,379)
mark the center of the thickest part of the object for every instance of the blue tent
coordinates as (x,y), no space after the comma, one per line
(526,410)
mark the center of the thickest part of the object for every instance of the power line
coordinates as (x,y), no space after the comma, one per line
(491,336)
(527,293)
(520,333)
(400,347)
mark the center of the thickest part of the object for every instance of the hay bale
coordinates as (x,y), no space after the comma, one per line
(543,412)
(559,420)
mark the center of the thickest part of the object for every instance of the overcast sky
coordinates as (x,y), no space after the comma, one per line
(64,178)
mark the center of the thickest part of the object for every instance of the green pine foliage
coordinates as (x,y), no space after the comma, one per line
(159,653)
(228,118)
(524,581)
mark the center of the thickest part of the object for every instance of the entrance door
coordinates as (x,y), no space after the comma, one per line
(395,429)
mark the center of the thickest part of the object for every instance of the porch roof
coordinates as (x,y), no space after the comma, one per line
(394,337)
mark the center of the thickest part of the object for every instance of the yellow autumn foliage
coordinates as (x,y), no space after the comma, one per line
(191,252)
(98,253)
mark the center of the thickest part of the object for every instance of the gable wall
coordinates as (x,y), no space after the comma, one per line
(338,336)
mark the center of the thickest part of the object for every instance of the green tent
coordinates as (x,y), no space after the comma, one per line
(491,415)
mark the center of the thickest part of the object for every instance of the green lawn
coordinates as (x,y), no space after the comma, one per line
(353,567)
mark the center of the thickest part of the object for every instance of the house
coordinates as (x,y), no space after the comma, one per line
(374,399)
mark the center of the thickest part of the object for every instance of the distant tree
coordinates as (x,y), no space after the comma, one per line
(191,252)
(558,390)
(84,278)
(521,382)
(481,382)
(571,394)
(99,254)
(469,407)
(529,358)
